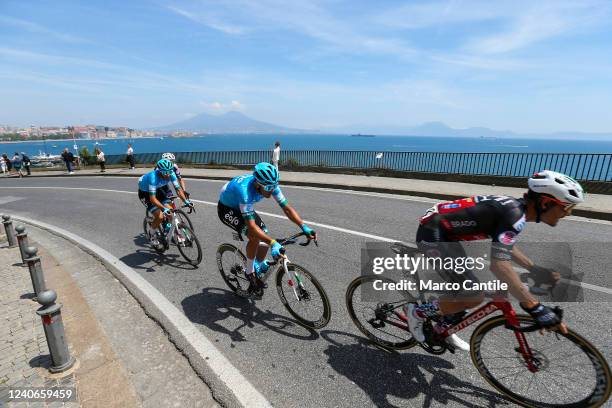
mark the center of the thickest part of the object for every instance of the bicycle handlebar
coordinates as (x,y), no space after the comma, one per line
(293,240)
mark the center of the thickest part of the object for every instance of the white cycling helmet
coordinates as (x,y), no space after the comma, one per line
(557,185)
(169,156)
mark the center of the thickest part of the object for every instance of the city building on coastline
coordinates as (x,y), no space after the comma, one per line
(12,133)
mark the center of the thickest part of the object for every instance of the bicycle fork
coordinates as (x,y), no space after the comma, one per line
(294,279)
(512,322)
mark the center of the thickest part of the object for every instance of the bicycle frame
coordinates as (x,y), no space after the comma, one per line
(512,322)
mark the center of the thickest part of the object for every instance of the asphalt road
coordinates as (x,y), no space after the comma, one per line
(291,366)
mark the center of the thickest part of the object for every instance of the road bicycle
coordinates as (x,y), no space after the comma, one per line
(299,291)
(180,234)
(533,368)
(182,215)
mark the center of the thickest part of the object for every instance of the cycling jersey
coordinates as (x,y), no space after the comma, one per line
(177,171)
(500,218)
(240,194)
(153,180)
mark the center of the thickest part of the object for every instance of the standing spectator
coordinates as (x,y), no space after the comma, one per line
(7,162)
(3,164)
(130,156)
(101,159)
(17,164)
(26,163)
(68,159)
(276,154)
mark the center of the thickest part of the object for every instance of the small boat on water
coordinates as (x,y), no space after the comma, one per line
(360,135)
(45,159)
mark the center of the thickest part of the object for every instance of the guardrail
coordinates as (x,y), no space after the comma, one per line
(581,166)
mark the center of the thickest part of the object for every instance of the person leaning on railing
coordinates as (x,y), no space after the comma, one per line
(550,197)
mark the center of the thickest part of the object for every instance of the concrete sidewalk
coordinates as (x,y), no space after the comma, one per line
(597,205)
(124,359)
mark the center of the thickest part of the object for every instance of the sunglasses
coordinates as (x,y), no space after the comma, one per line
(268,187)
(165,173)
(567,208)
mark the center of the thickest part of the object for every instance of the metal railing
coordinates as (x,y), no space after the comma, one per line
(581,166)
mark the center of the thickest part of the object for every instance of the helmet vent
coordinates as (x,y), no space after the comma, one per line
(558,180)
(573,193)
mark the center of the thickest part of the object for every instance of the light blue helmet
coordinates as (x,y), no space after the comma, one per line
(165,165)
(266,174)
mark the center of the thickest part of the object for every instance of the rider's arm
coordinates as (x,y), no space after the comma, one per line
(505,272)
(292,214)
(182,183)
(521,259)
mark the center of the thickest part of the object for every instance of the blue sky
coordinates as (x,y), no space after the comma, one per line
(526,66)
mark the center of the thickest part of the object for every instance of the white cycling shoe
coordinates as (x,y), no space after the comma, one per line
(458,343)
(415,323)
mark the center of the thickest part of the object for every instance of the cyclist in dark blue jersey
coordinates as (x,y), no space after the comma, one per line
(153,194)
(236,210)
(551,196)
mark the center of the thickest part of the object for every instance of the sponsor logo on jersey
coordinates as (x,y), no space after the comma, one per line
(507,237)
(463,223)
(520,224)
(451,205)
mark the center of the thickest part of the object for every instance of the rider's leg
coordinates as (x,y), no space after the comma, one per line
(251,251)
(262,251)
(158,217)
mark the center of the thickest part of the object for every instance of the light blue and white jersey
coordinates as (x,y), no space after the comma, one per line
(240,193)
(153,180)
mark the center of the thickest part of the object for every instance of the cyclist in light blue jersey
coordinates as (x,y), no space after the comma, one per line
(236,210)
(153,195)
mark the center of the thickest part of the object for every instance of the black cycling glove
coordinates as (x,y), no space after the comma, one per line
(541,275)
(543,315)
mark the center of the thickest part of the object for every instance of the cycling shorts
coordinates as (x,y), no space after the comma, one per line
(234,219)
(161,194)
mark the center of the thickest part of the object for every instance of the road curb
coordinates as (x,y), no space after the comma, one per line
(227,384)
(600,215)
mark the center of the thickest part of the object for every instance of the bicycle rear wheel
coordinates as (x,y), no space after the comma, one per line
(571,372)
(305,300)
(148,231)
(377,317)
(188,244)
(232,266)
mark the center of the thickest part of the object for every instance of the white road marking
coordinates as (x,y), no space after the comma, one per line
(9,199)
(327,226)
(400,197)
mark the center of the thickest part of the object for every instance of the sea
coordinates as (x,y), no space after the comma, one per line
(237,142)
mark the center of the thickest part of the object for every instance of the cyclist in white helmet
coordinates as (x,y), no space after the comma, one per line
(551,196)
(177,171)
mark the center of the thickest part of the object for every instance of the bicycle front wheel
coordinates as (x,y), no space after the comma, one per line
(566,370)
(377,317)
(188,244)
(304,298)
(182,216)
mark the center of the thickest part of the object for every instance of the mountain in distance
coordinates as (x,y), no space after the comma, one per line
(230,122)
(439,129)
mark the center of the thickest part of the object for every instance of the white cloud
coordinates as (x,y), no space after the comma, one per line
(39,29)
(220,107)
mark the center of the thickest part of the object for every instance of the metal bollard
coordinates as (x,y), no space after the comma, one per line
(8,228)
(22,240)
(36,272)
(51,315)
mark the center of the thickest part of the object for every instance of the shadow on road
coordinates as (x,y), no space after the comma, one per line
(147,258)
(223,311)
(386,376)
